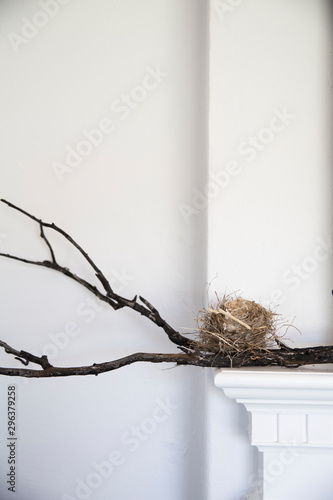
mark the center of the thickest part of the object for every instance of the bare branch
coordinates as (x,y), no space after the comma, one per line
(274,357)
(97,369)
(26,357)
(42,224)
(191,352)
(114,300)
(173,335)
(42,235)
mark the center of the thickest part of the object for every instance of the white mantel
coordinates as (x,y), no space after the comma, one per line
(291,423)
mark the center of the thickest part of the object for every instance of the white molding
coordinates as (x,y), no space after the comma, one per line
(291,423)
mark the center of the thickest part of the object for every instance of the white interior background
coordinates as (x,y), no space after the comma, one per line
(270,226)
(125,203)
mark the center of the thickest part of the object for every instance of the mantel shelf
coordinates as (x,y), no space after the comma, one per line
(291,423)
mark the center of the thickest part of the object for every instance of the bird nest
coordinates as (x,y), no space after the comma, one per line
(236,325)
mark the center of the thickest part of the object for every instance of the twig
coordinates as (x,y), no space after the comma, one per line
(26,357)
(273,357)
(110,297)
(230,316)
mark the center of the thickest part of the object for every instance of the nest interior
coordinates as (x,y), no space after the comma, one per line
(236,325)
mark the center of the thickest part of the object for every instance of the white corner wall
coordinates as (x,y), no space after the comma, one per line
(137,201)
(135,71)
(270,141)
(269,191)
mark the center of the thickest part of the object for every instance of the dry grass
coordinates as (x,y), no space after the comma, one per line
(234,324)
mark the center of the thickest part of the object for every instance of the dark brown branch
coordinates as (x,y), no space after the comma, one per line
(292,359)
(42,224)
(42,235)
(114,300)
(66,272)
(97,369)
(191,353)
(26,357)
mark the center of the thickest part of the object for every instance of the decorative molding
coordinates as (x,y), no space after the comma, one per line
(291,423)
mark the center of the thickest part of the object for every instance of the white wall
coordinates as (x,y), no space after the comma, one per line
(270,59)
(137,204)
(121,203)
(269,189)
